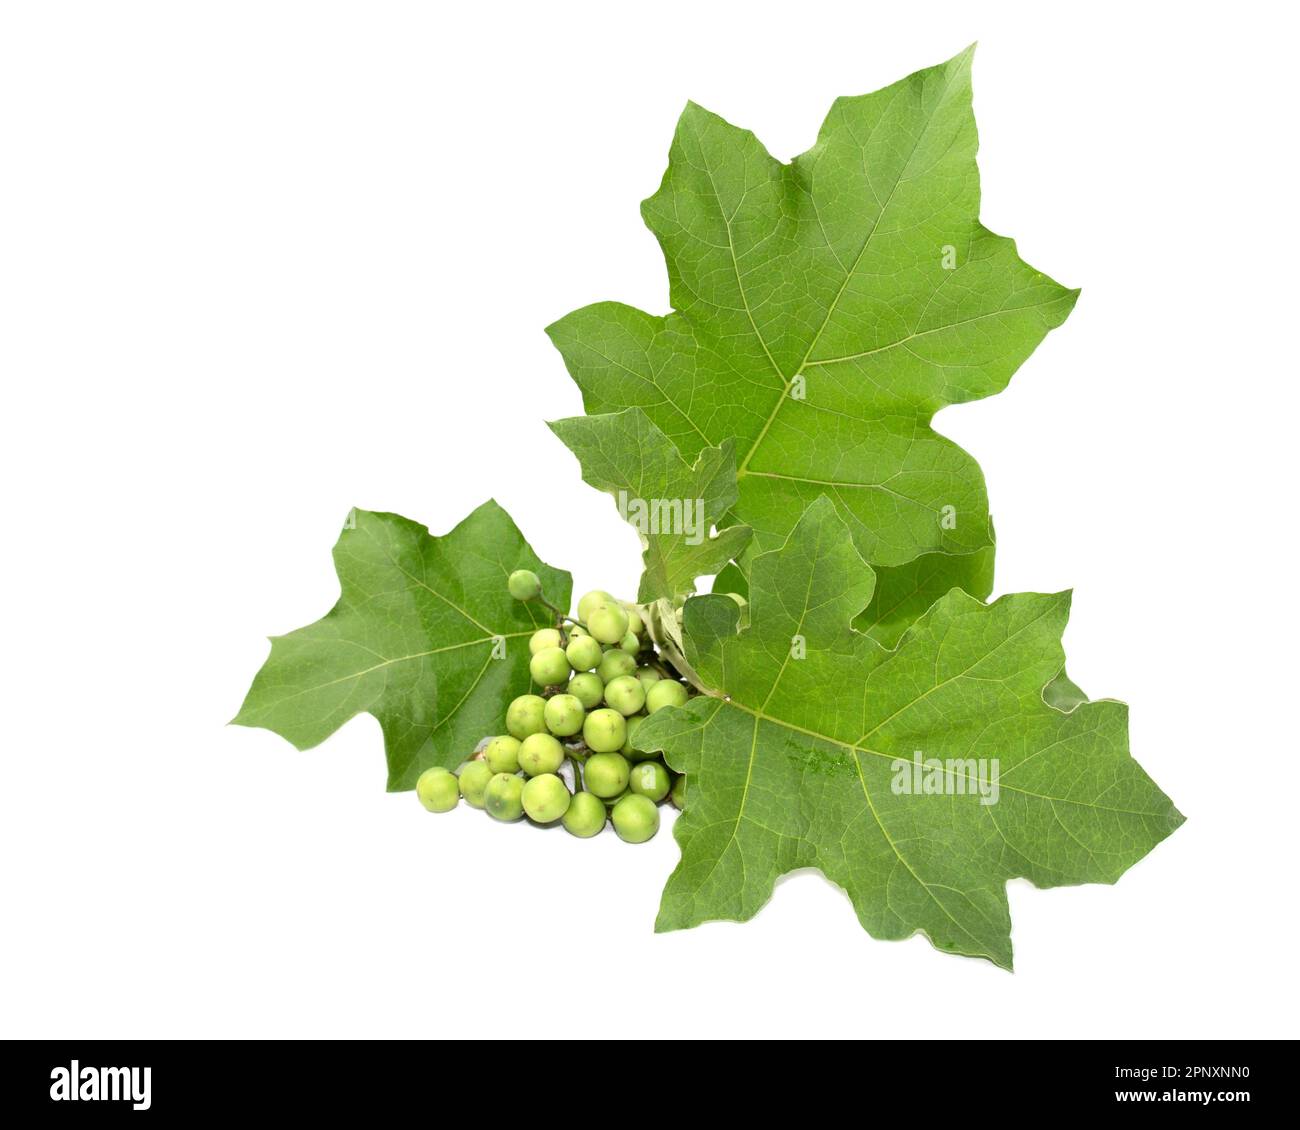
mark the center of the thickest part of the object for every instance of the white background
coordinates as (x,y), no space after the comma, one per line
(261,262)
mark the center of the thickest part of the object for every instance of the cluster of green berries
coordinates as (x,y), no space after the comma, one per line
(600,677)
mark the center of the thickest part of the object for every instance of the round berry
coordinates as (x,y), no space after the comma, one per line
(438,789)
(503,797)
(585,816)
(545,798)
(526,715)
(584,653)
(472,778)
(636,819)
(604,731)
(625,694)
(524,584)
(605,774)
(587,688)
(549,667)
(608,623)
(540,753)
(666,692)
(649,779)
(564,715)
(502,754)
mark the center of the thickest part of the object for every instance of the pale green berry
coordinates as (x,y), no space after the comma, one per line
(524,584)
(585,816)
(666,692)
(636,819)
(614,664)
(545,798)
(604,731)
(540,753)
(503,797)
(502,754)
(649,779)
(608,623)
(634,622)
(549,667)
(564,715)
(605,774)
(588,689)
(437,789)
(646,676)
(526,715)
(544,638)
(473,777)
(625,694)
(679,792)
(584,653)
(591,601)
(630,643)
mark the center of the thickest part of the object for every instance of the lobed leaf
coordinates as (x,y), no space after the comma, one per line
(793,757)
(424,636)
(824,310)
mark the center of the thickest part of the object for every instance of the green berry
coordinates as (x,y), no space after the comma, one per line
(625,694)
(605,774)
(636,819)
(544,638)
(666,692)
(526,715)
(646,676)
(614,664)
(608,623)
(438,789)
(585,816)
(503,797)
(564,715)
(524,584)
(604,731)
(634,622)
(679,792)
(583,653)
(649,779)
(540,753)
(588,689)
(630,643)
(549,667)
(502,754)
(473,777)
(545,798)
(591,601)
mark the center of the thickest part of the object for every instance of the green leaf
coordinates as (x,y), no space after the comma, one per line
(824,311)
(672,504)
(901,593)
(904,592)
(424,636)
(796,765)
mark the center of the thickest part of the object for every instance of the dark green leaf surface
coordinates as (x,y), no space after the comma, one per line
(824,311)
(624,454)
(791,758)
(424,636)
